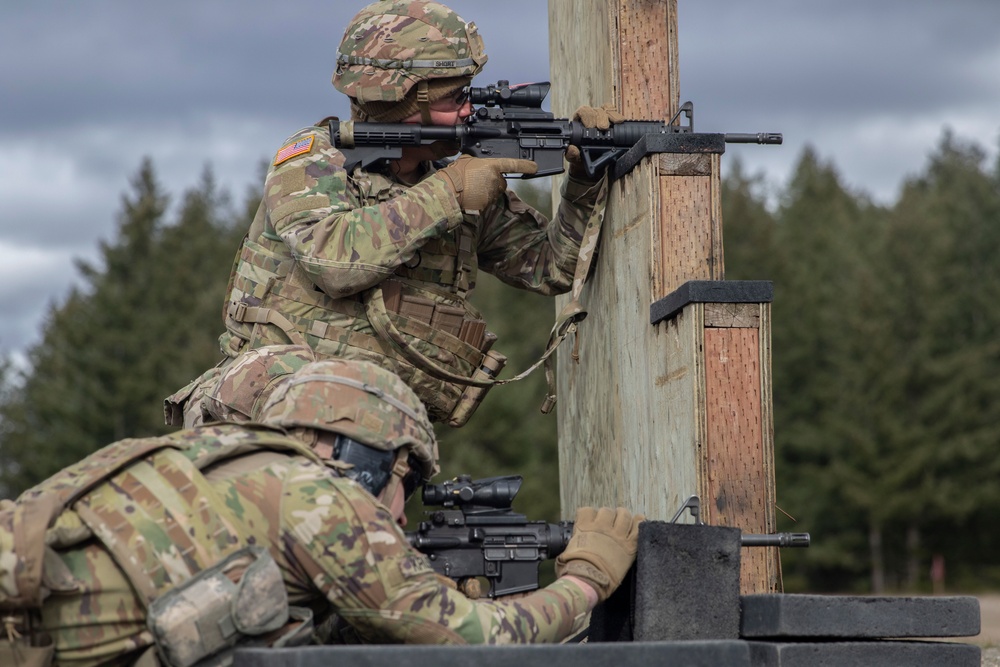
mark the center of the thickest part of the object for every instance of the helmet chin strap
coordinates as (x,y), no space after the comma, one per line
(399,469)
(424,102)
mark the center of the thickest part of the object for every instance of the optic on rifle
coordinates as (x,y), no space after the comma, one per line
(530,95)
(494,492)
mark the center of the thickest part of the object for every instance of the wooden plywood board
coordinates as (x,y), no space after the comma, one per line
(580,33)
(737,466)
(690,236)
(626,426)
(637,423)
(647,58)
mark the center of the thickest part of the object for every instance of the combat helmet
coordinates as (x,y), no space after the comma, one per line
(245,386)
(371,410)
(398,56)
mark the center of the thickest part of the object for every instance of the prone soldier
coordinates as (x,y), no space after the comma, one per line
(174,550)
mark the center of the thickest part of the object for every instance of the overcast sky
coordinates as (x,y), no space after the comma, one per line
(87,89)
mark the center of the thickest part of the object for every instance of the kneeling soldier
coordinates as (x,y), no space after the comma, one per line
(172,550)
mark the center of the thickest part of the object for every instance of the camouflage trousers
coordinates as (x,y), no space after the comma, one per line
(18,653)
(184,407)
(102,623)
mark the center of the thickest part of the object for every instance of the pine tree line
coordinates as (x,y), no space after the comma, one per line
(142,325)
(886,372)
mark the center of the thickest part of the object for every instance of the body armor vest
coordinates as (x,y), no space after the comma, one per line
(435,339)
(167,529)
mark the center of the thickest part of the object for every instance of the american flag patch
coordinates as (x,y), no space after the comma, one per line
(291,150)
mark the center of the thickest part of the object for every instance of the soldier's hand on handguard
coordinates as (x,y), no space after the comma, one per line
(600,118)
(477,182)
(602,548)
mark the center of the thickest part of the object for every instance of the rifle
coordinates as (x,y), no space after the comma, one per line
(511,123)
(475,533)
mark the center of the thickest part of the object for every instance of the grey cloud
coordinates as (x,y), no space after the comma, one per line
(90,88)
(106,59)
(115,59)
(837,59)
(29,287)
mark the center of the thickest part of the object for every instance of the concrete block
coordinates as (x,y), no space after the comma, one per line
(687,582)
(732,653)
(858,617)
(864,654)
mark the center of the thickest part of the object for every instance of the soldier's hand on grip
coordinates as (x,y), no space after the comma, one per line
(477,182)
(601,118)
(602,548)
(598,117)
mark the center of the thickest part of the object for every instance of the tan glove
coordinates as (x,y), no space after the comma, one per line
(477,182)
(602,548)
(600,118)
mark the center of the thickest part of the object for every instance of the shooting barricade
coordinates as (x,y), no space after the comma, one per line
(681,605)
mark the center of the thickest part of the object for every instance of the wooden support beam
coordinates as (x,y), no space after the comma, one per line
(650,414)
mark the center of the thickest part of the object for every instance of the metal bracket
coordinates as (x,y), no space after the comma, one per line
(711,291)
(693,503)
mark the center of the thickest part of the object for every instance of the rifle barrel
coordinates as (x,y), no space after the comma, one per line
(754,138)
(776,540)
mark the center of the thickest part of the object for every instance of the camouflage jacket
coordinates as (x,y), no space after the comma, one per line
(325,240)
(338,550)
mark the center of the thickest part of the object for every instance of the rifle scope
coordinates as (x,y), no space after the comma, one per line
(497,492)
(505,95)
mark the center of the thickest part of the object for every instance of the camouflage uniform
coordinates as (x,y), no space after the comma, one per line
(358,265)
(337,548)
(324,239)
(243,389)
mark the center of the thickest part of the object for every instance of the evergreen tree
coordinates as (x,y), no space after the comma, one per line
(70,403)
(195,257)
(943,383)
(885,370)
(749,227)
(818,266)
(143,324)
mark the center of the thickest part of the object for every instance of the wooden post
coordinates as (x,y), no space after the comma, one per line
(653,413)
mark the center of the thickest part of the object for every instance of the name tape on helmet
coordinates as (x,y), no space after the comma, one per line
(345,59)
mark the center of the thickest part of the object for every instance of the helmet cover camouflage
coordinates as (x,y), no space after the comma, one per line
(246,385)
(359,400)
(391,45)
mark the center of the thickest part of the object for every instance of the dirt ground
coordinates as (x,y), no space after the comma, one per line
(989,637)
(989,611)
